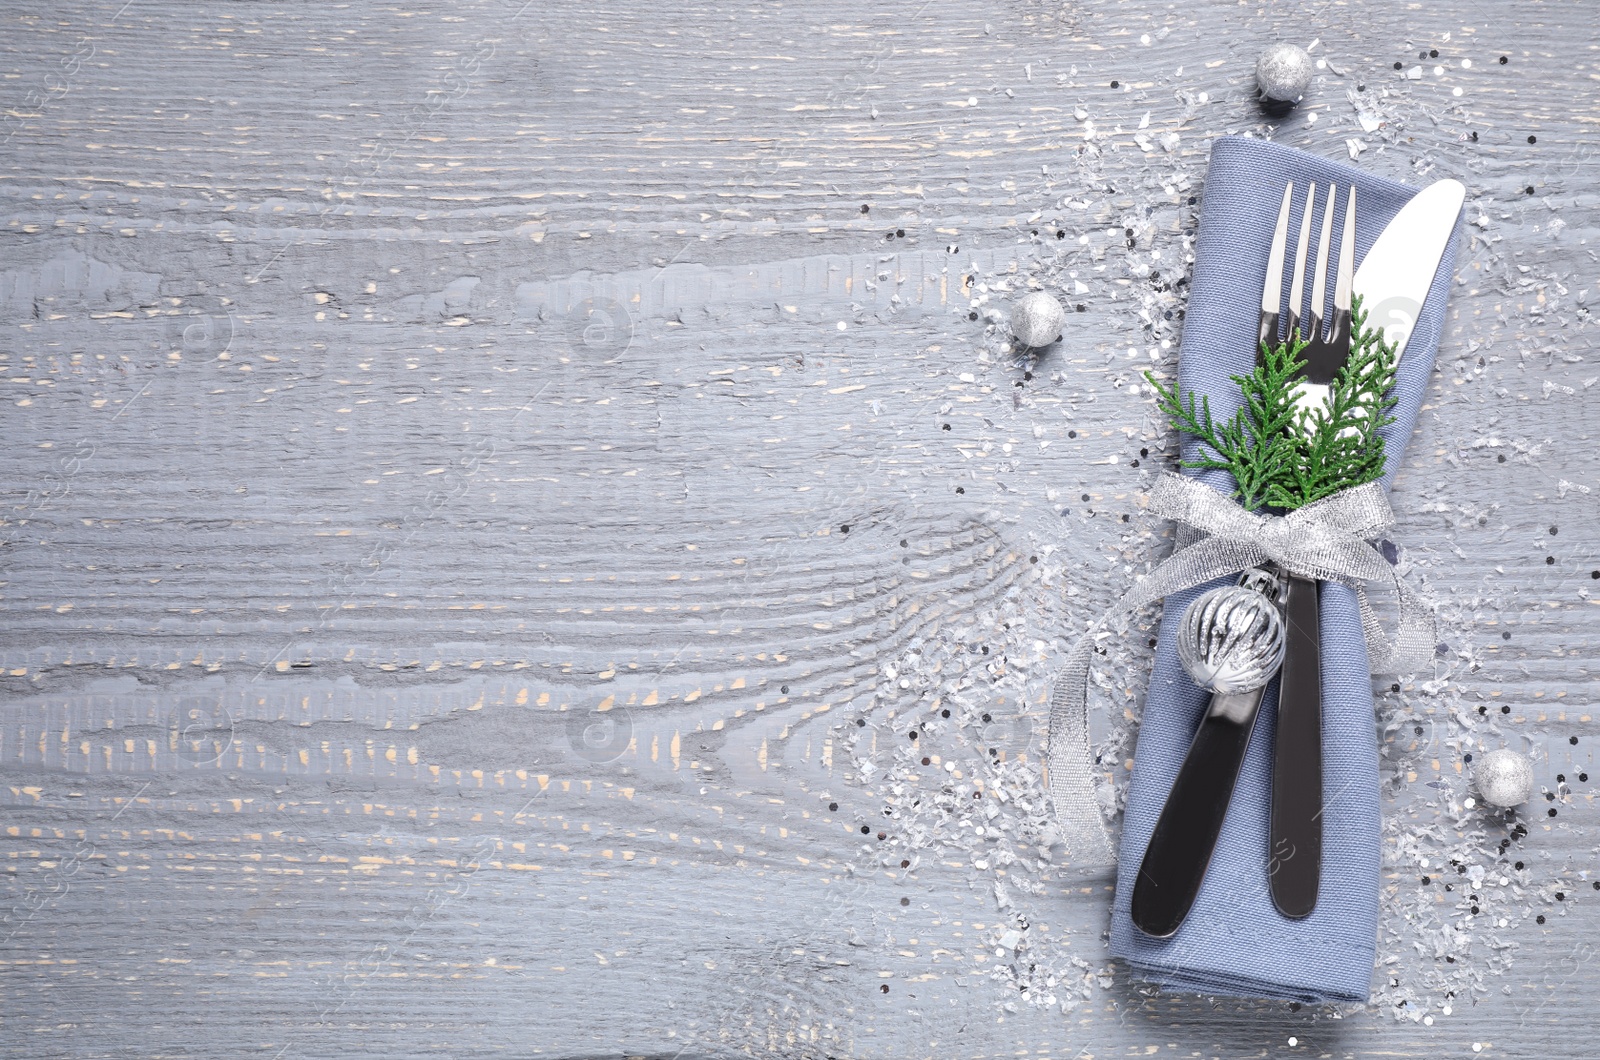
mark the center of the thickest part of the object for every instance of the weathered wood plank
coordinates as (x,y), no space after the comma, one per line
(431,619)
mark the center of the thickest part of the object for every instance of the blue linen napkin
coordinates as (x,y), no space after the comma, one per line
(1234,941)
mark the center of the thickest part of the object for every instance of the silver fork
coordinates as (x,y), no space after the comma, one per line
(1295,844)
(1324,355)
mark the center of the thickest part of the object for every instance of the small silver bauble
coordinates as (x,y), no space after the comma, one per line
(1231,640)
(1503,777)
(1036,319)
(1283,73)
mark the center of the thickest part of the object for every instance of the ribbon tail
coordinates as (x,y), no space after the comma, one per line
(1069,757)
(1413,643)
(1071,763)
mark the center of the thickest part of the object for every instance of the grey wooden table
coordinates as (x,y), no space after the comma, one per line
(490,488)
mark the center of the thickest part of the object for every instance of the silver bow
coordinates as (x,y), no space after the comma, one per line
(1326,540)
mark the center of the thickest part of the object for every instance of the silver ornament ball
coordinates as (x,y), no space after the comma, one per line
(1503,777)
(1283,73)
(1231,640)
(1036,319)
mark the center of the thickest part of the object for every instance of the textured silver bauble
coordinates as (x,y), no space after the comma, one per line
(1231,640)
(1036,319)
(1283,73)
(1503,777)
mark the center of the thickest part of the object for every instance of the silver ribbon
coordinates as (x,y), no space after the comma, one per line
(1326,540)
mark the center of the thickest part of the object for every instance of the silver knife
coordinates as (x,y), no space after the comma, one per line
(1392,282)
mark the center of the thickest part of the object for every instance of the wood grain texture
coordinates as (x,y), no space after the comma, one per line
(492,489)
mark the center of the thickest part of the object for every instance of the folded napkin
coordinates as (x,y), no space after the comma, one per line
(1234,940)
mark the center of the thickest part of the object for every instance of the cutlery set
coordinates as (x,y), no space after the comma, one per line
(1392,282)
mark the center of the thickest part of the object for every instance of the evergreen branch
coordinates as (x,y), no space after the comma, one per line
(1284,454)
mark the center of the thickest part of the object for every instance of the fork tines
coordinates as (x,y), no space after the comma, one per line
(1324,354)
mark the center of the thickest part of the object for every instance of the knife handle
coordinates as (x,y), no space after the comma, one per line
(1295,853)
(1186,833)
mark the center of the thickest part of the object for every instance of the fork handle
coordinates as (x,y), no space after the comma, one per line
(1295,850)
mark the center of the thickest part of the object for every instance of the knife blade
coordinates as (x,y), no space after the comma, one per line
(1394,278)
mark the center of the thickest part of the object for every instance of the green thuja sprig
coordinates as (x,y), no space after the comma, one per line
(1279,455)
(1343,443)
(1258,442)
